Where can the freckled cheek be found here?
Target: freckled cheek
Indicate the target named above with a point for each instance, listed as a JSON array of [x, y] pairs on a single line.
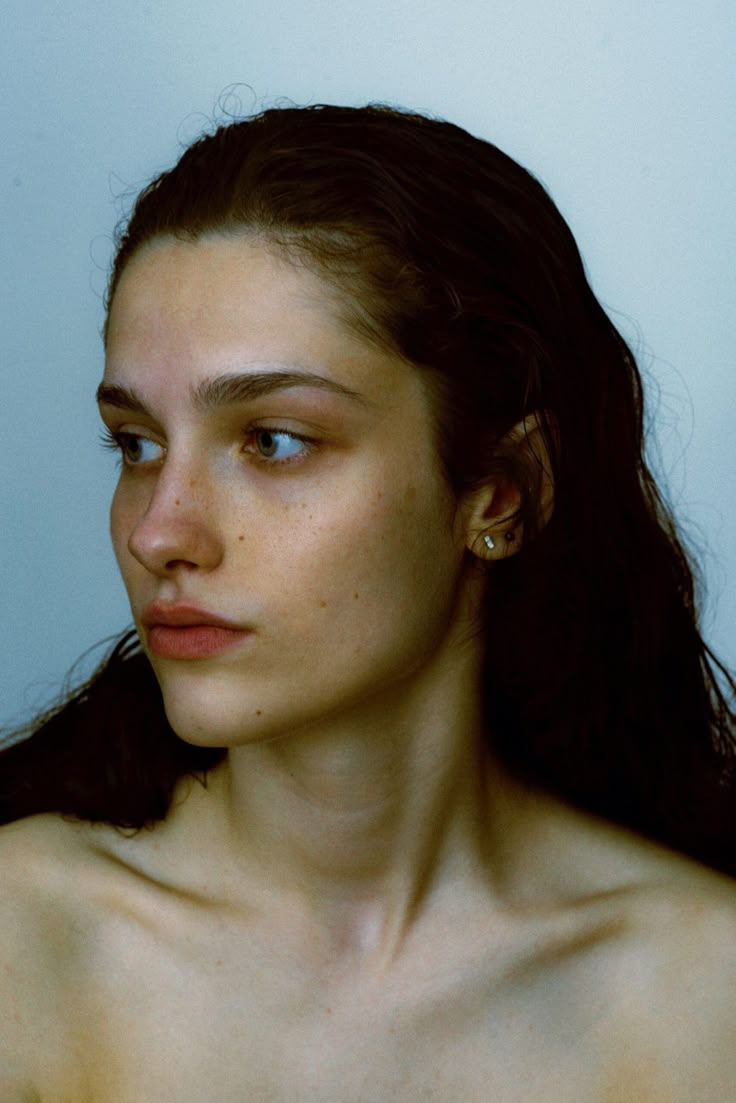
[[364, 549]]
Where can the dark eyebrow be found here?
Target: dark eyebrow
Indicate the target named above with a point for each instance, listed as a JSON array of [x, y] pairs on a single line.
[[225, 390], [123, 398]]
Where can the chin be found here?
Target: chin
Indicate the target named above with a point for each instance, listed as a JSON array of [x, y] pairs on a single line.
[[215, 710], [199, 723]]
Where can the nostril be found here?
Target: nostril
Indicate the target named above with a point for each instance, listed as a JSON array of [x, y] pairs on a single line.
[[167, 540], [180, 564]]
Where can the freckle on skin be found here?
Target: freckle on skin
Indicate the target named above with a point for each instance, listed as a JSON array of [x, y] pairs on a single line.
[[178, 502], [356, 597], [258, 712], [323, 604], [193, 482], [241, 537]]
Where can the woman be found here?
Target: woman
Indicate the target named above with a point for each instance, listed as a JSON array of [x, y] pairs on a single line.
[[425, 641]]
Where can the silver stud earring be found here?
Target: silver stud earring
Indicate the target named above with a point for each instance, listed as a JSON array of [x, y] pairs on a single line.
[[489, 542]]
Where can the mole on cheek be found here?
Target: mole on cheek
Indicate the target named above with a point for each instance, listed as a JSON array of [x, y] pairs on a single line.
[[323, 604], [356, 597], [241, 537], [178, 502], [258, 712]]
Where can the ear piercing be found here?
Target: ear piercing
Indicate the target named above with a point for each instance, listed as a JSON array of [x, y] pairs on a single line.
[[490, 542]]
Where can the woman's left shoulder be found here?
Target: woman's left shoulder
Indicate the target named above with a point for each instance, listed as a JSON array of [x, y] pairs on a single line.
[[686, 908], [667, 989], [676, 982]]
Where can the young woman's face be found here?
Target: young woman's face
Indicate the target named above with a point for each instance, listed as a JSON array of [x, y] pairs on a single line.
[[289, 546]]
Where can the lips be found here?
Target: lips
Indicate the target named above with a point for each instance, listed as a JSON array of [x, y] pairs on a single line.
[[186, 632]]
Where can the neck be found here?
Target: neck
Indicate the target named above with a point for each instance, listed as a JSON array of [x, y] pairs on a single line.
[[360, 825]]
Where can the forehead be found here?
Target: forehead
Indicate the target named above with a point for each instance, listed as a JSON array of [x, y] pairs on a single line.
[[223, 302]]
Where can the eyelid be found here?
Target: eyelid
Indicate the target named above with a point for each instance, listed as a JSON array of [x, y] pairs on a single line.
[[115, 440], [310, 444]]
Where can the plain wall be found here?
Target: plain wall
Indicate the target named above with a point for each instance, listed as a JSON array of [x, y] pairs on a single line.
[[624, 109]]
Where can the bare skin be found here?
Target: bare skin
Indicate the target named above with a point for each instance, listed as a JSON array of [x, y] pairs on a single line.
[[360, 906], [591, 967]]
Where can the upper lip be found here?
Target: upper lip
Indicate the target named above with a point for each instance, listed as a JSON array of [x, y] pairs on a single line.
[[182, 615]]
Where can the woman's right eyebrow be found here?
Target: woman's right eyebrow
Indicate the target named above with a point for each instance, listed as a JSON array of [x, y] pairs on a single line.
[[228, 389], [122, 398]]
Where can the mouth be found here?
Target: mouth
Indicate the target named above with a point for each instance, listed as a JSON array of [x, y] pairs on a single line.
[[187, 632]]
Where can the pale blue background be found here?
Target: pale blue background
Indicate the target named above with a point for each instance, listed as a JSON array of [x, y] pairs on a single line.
[[625, 108]]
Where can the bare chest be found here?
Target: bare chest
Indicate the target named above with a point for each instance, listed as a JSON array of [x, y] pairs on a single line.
[[231, 1019]]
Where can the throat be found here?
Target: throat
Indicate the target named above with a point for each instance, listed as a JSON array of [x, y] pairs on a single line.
[[358, 850]]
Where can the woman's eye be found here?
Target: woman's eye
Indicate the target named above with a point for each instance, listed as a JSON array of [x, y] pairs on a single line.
[[278, 444], [135, 450], [138, 450]]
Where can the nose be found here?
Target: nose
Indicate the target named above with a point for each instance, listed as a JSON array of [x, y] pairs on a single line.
[[177, 531]]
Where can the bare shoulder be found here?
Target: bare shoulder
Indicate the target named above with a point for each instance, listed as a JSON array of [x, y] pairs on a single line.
[[687, 971], [674, 971], [39, 856], [44, 862], [51, 869], [653, 954]]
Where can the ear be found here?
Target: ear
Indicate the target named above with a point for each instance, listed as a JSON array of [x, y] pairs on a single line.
[[490, 511]]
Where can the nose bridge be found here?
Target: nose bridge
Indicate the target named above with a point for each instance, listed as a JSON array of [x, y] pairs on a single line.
[[178, 526], [180, 485]]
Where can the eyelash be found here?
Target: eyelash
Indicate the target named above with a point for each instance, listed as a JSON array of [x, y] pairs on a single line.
[[116, 442]]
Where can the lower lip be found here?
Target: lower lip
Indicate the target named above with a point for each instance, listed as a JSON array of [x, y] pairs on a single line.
[[194, 641]]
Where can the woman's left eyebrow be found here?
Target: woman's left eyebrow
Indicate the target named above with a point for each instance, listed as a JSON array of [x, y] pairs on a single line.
[[226, 390]]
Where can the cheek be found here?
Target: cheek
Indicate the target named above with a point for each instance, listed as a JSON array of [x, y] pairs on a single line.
[[386, 554]]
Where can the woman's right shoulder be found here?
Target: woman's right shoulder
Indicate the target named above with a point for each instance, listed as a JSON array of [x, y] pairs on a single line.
[[42, 862], [38, 854], [47, 864], [61, 879], [50, 868]]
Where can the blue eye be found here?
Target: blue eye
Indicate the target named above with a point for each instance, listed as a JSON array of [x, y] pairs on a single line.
[[135, 450], [278, 445]]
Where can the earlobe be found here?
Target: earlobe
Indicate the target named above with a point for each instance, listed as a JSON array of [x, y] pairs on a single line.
[[494, 528], [491, 519], [509, 537]]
